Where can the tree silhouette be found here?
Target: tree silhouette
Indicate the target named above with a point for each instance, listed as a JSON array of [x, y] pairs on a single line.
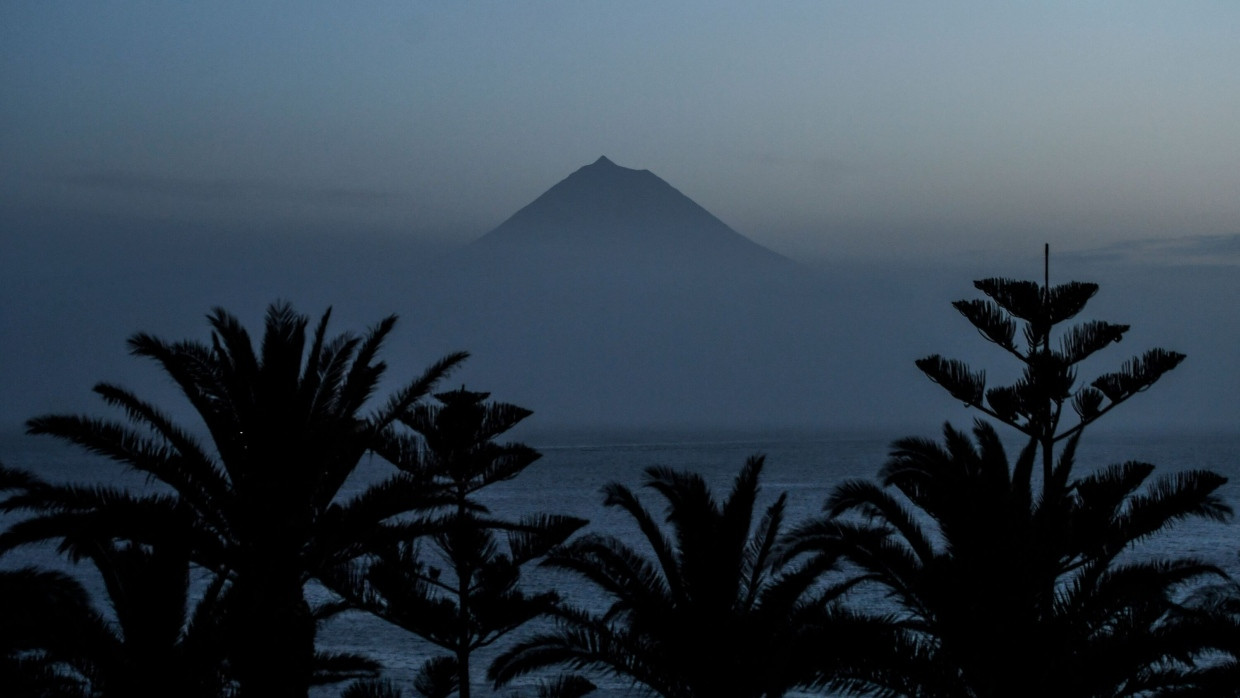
[[463, 593], [154, 645], [707, 615], [157, 644], [566, 686], [1006, 586], [47, 626], [1020, 594], [261, 508], [1220, 677], [1034, 404]]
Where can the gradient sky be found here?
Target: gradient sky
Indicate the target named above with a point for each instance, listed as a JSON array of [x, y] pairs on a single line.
[[158, 158], [821, 129]]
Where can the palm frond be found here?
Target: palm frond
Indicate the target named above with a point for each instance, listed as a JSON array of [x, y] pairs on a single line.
[[283, 343], [616, 569], [616, 495], [195, 368], [536, 535], [566, 686], [759, 552], [438, 677], [875, 504], [404, 398], [582, 641], [326, 384], [1170, 499], [737, 510], [334, 667], [105, 438]]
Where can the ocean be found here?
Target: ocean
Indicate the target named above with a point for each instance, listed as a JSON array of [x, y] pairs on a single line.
[[576, 464]]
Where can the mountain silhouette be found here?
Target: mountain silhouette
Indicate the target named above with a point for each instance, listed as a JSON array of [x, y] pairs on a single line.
[[603, 208], [613, 298]]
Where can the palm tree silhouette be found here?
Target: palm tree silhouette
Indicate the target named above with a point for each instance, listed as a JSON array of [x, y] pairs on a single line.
[[153, 646], [1219, 606], [156, 643], [260, 509], [707, 615], [47, 630], [1003, 591]]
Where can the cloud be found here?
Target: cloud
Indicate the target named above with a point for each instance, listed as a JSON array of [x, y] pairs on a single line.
[[224, 189], [820, 165], [1196, 250]]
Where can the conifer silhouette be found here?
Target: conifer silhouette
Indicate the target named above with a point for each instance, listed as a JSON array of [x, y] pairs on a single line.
[[1021, 318], [459, 588], [1011, 585]]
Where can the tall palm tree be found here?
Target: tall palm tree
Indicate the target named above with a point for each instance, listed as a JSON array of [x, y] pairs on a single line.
[[1005, 591], [260, 508], [707, 615], [152, 646], [157, 642]]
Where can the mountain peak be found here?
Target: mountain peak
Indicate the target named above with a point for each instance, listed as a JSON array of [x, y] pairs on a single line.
[[622, 211], [605, 167]]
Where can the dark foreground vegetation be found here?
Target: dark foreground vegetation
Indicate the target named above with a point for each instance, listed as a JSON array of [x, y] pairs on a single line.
[[1003, 576]]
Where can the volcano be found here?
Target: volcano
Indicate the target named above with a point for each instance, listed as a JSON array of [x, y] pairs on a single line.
[[603, 208], [614, 299]]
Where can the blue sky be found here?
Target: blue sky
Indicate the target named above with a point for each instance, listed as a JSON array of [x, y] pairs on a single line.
[[822, 129]]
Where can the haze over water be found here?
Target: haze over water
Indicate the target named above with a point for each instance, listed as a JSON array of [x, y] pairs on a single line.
[[164, 160]]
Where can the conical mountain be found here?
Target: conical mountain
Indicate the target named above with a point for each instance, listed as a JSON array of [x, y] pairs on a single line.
[[618, 212], [613, 298]]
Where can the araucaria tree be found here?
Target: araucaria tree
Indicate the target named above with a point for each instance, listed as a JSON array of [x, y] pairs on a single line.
[[1010, 584], [1034, 404], [260, 507], [459, 587]]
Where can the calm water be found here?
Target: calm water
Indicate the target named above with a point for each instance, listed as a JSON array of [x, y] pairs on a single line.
[[576, 465]]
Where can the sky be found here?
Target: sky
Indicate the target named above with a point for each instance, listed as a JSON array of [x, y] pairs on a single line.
[[161, 158], [820, 129]]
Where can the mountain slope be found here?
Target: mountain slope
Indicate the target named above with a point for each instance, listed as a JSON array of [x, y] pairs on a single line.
[[605, 209], [612, 298]]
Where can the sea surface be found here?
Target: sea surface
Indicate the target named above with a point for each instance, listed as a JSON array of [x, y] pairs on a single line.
[[576, 464]]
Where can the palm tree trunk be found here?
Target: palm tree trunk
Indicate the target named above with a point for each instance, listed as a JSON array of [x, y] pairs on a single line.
[[271, 638]]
